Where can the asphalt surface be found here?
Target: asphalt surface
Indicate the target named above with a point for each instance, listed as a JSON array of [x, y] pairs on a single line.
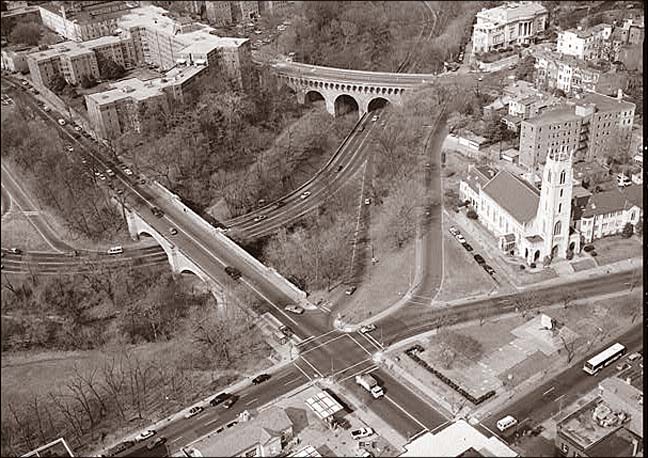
[[564, 389]]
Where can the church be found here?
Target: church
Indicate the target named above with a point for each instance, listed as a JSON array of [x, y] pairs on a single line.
[[528, 222]]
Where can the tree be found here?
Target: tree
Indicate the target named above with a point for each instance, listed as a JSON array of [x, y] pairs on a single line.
[[57, 83], [525, 69], [109, 69], [628, 230], [472, 214], [87, 81], [28, 33], [570, 348]]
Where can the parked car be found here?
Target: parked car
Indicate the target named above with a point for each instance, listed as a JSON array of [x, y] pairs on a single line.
[[233, 272], [350, 290], [296, 309], [16, 250], [219, 399], [156, 442], [128, 171], [260, 379], [506, 423], [374, 118], [193, 411], [173, 231], [286, 331], [622, 366], [157, 212], [145, 435], [367, 201], [110, 173], [61, 122], [368, 328], [467, 246], [489, 270], [361, 433], [479, 259], [454, 231], [634, 356], [460, 238], [259, 218], [305, 194]]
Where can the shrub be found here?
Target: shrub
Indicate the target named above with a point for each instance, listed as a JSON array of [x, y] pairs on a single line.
[[522, 267], [532, 265], [570, 255], [546, 261], [472, 214], [628, 230]]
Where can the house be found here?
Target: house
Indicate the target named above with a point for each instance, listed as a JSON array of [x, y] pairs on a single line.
[[263, 435], [607, 212], [471, 140]]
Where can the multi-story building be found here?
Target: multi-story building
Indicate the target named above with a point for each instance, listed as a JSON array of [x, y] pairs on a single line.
[[507, 25], [243, 10], [610, 425], [15, 59], [272, 6], [631, 32], [528, 107], [585, 128], [81, 21], [9, 18], [73, 60], [218, 12], [583, 44]]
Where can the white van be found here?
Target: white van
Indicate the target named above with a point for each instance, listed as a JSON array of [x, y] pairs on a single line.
[[115, 250], [507, 422], [623, 180]]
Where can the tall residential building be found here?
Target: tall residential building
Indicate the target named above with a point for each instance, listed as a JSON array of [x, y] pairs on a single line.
[[272, 6], [584, 44], [243, 10], [507, 25], [218, 12], [81, 21], [585, 128]]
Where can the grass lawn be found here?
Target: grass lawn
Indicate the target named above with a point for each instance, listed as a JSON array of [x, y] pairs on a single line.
[[17, 231], [616, 248]]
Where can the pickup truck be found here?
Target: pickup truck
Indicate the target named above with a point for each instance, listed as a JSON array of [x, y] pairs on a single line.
[[370, 384]]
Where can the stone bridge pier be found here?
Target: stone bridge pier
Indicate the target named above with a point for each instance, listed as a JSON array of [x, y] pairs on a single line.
[[341, 97], [180, 263]]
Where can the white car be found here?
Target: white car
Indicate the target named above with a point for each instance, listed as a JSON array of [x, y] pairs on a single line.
[[361, 433], [296, 309], [506, 423], [460, 238], [375, 118], [368, 328], [305, 194], [70, 148], [453, 230], [367, 201], [634, 357], [193, 411], [61, 122], [77, 128], [128, 171], [145, 435], [46, 108]]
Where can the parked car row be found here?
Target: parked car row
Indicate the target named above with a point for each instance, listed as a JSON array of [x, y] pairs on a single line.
[[479, 259]]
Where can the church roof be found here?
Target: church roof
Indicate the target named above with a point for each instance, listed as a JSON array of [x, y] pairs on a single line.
[[514, 195], [614, 200]]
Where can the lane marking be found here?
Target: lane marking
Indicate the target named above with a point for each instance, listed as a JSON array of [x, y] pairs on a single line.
[[372, 340], [317, 337], [251, 401], [212, 421], [371, 369], [313, 367], [351, 367], [302, 371], [358, 344], [420, 433], [549, 391], [323, 344], [176, 439], [406, 412], [559, 398]]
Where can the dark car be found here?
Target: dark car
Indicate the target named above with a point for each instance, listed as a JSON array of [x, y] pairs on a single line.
[[229, 402], [233, 272], [219, 399], [467, 246], [260, 379], [479, 259], [489, 270], [286, 331], [280, 203], [156, 442], [157, 212]]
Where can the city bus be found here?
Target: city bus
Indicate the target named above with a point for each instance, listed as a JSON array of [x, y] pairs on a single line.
[[598, 362]]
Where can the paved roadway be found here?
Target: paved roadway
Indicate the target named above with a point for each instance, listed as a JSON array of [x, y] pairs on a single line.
[[564, 389]]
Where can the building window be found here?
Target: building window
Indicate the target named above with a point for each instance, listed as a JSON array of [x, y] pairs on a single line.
[[562, 177], [557, 228], [559, 207]]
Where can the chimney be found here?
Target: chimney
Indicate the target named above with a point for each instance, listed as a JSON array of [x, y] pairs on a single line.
[[620, 94], [635, 447]]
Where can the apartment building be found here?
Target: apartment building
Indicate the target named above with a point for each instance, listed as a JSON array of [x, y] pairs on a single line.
[[244, 10], [272, 6], [14, 59], [584, 44], [123, 108], [81, 21], [509, 24], [586, 128], [218, 12], [73, 60]]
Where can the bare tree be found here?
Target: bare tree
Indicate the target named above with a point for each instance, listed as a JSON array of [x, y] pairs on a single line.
[[570, 348]]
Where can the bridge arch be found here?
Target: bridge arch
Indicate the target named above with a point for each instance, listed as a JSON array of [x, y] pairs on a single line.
[[376, 103], [345, 103], [313, 96]]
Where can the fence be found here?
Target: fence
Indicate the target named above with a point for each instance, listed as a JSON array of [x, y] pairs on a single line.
[[499, 64]]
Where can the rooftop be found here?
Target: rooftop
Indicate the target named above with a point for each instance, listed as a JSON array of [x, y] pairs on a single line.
[[87, 16], [614, 200], [590, 424], [457, 439], [511, 11], [514, 195], [557, 115], [619, 443], [19, 11], [607, 103], [73, 48]]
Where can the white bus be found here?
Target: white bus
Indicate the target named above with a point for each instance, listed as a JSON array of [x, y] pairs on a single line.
[[598, 362]]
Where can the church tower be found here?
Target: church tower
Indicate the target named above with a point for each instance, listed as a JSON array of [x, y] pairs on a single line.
[[554, 208]]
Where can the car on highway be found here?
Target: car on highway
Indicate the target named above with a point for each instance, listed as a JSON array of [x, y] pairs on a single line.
[[219, 399], [16, 250], [350, 290], [233, 272], [157, 212], [145, 435], [286, 331], [280, 203], [46, 108], [340, 168], [156, 442], [454, 231], [128, 171], [173, 231], [191, 452], [489, 270], [193, 411], [110, 173], [260, 379], [479, 259], [305, 194], [361, 433], [467, 246], [296, 309], [230, 401], [374, 118], [368, 328], [460, 238], [70, 148], [77, 128], [72, 254], [259, 218], [61, 122], [101, 176]]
